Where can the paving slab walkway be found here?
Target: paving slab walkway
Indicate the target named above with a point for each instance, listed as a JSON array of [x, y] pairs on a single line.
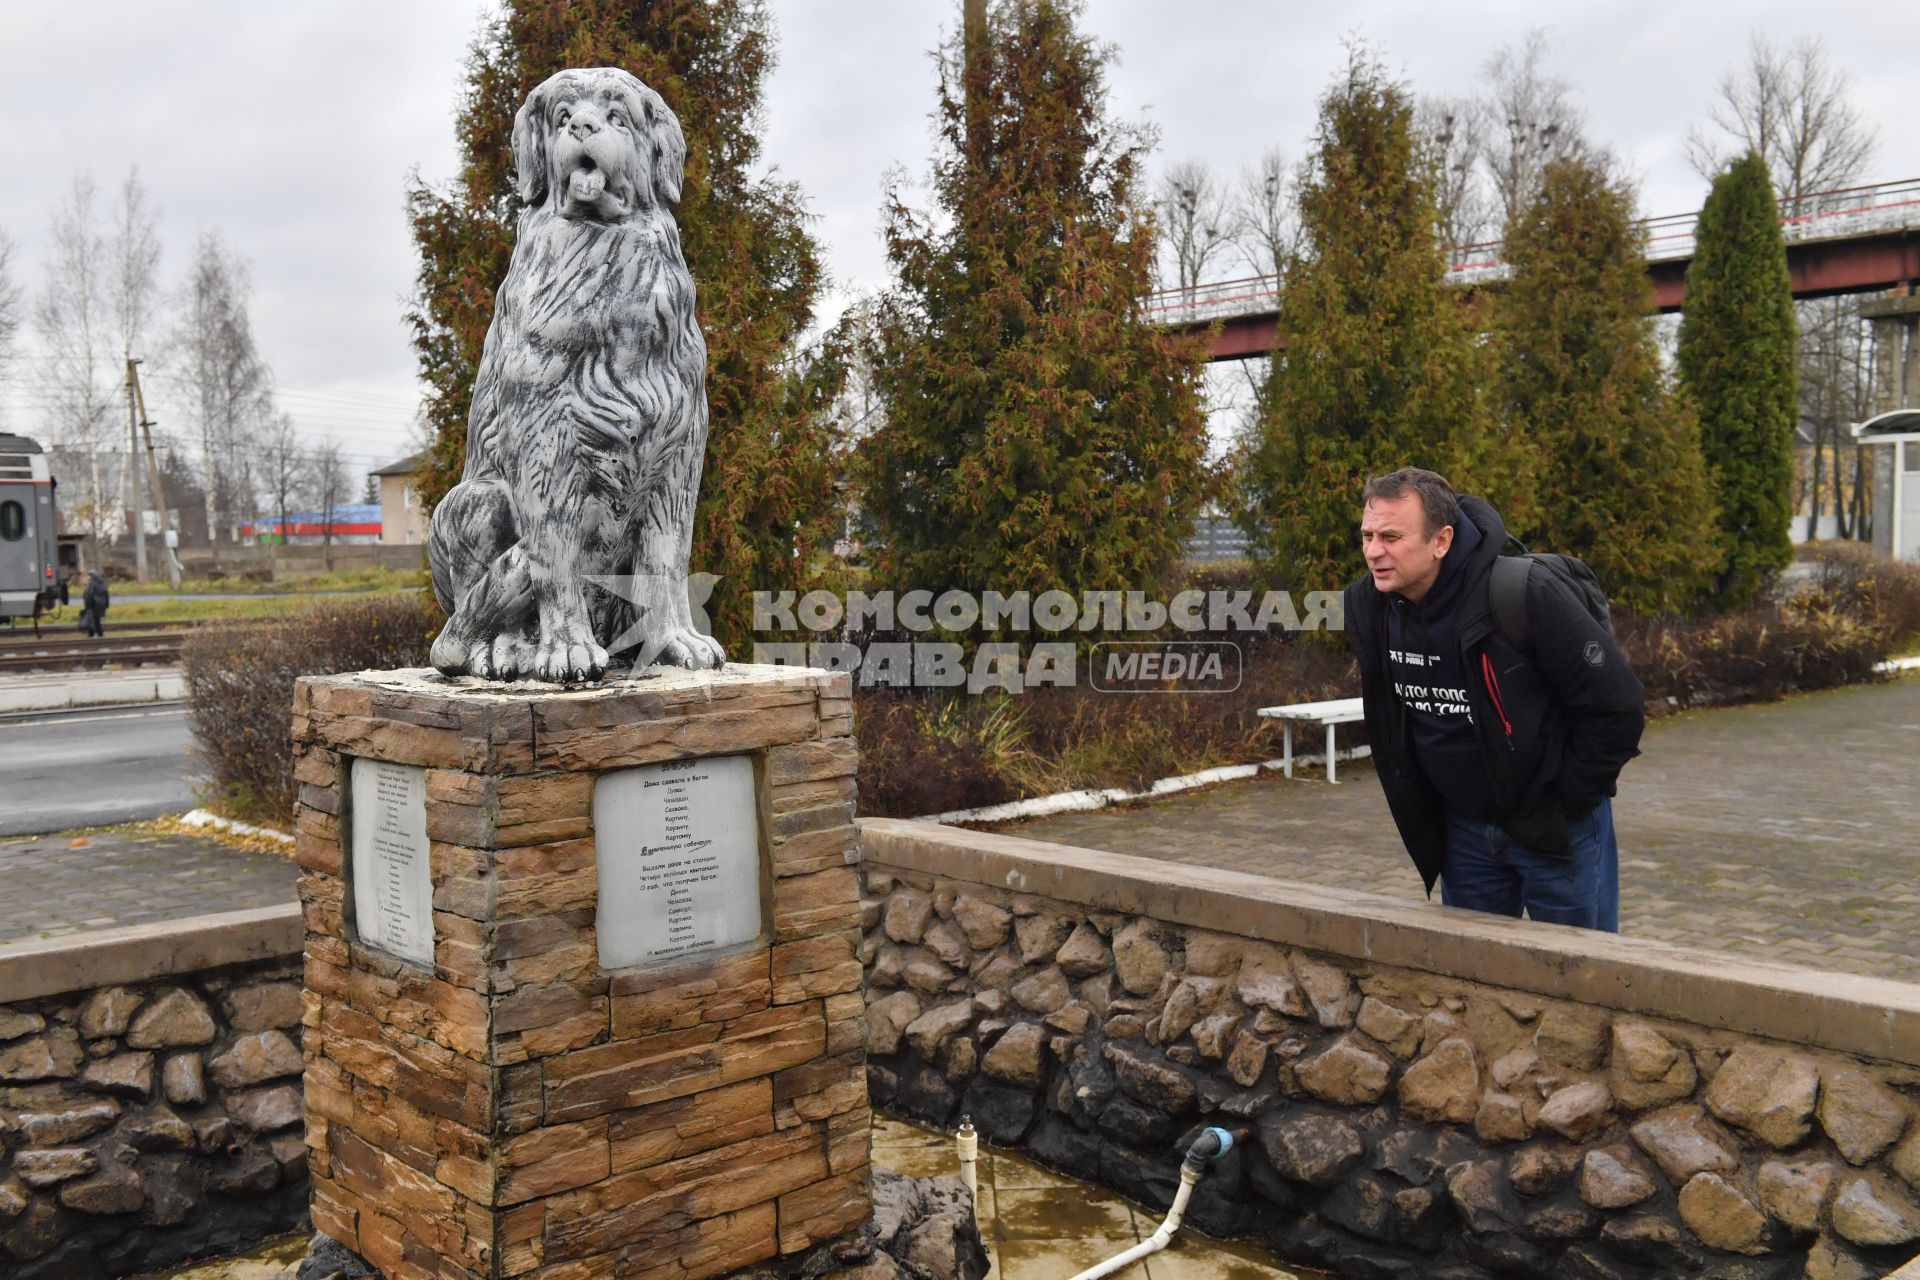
[[1789, 831], [51, 887]]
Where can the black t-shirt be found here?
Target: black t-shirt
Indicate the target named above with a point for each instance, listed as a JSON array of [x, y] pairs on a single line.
[[1424, 664]]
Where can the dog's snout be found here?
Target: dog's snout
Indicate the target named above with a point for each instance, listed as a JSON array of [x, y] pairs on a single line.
[[585, 122]]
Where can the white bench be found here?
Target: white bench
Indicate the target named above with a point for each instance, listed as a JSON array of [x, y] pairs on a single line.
[[1329, 713]]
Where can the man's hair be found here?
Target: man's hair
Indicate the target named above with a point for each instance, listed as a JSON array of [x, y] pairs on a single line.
[[1436, 495]]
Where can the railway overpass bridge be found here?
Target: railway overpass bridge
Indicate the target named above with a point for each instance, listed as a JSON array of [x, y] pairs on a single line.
[[1853, 240]]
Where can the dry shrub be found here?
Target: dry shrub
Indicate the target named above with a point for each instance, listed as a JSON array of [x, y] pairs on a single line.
[[1872, 587], [934, 751], [1809, 641], [239, 681]]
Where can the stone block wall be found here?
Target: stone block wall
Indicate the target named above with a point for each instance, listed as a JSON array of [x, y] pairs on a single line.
[[516, 1110], [152, 1113], [1421, 1092]]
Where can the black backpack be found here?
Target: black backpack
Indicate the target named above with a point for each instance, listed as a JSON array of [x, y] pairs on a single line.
[[1508, 592]]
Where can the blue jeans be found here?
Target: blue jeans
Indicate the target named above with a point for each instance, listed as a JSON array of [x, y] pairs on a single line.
[[1487, 870]]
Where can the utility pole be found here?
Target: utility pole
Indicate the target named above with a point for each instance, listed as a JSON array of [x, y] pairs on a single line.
[[133, 487], [153, 474]]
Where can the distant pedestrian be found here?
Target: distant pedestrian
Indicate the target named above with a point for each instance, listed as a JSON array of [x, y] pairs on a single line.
[[93, 606], [1498, 758]]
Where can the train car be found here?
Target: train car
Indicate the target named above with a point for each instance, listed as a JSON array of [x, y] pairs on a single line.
[[30, 583]]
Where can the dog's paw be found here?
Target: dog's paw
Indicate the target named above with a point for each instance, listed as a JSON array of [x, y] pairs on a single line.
[[685, 647], [450, 654], [569, 661], [509, 657]]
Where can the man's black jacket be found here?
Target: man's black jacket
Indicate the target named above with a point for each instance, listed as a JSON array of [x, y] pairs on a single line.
[[1557, 724]]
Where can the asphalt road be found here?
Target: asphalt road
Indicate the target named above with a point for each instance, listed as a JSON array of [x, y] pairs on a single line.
[[63, 769]]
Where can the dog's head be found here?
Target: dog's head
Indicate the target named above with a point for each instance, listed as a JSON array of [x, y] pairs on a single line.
[[599, 144]]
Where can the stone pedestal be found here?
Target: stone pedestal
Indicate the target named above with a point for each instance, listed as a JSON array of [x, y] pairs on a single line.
[[504, 1103]]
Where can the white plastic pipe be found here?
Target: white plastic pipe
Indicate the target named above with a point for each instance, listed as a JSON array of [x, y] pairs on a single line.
[[1190, 1170], [968, 1144], [1154, 1243]]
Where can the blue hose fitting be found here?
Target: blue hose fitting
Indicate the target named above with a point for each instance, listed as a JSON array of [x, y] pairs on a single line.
[[1210, 1145]]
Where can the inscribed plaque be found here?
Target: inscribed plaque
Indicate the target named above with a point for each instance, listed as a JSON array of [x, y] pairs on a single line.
[[392, 875], [678, 848]]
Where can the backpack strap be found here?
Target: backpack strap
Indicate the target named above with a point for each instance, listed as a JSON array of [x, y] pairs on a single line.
[[1507, 593]]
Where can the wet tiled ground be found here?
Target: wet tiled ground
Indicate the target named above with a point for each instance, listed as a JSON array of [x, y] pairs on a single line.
[[1785, 831], [263, 1263], [1042, 1226], [53, 886]]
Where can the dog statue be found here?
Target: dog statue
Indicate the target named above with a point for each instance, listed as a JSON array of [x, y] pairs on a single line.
[[567, 538]]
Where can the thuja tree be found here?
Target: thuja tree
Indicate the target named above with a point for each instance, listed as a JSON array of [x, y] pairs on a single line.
[[1620, 478], [1039, 434], [1737, 362], [767, 503], [1381, 367]]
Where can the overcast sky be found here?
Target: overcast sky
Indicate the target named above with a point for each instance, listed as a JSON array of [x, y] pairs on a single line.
[[290, 129]]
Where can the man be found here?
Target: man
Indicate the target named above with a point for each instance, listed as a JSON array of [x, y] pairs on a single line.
[[93, 612], [1497, 761]]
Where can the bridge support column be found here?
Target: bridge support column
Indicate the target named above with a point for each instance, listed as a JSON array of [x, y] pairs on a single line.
[[1896, 350]]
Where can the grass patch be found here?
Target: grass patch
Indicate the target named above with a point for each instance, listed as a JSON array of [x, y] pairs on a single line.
[[240, 609], [253, 582]]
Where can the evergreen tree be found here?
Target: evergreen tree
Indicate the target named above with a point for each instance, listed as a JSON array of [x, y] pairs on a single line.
[[1621, 481], [1382, 368], [1737, 362], [767, 503], [1040, 434]]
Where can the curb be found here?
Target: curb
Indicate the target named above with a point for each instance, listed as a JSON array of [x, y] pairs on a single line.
[[130, 688], [1083, 801], [201, 818]]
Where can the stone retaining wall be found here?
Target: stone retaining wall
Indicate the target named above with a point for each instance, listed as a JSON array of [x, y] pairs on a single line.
[[1422, 1092], [150, 1105]]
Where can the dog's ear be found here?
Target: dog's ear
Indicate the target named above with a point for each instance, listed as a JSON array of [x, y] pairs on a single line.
[[669, 149], [530, 147]]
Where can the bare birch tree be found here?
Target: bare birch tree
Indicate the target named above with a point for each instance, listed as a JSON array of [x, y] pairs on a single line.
[[1266, 234], [330, 488], [11, 305], [1790, 105], [1835, 359], [1195, 224], [75, 327], [133, 288], [285, 467], [1532, 121], [1266, 228], [133, 293], [1453, 134], [229, 383]]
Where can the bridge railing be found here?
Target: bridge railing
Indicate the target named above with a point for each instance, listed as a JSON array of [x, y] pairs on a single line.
[[1825, 215], [1247, 295]]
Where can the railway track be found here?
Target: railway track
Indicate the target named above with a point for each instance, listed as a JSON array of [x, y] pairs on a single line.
[[148, 644]]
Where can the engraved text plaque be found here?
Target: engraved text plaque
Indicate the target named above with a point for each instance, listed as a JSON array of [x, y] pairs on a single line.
[[392, 877], [678, 848]]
